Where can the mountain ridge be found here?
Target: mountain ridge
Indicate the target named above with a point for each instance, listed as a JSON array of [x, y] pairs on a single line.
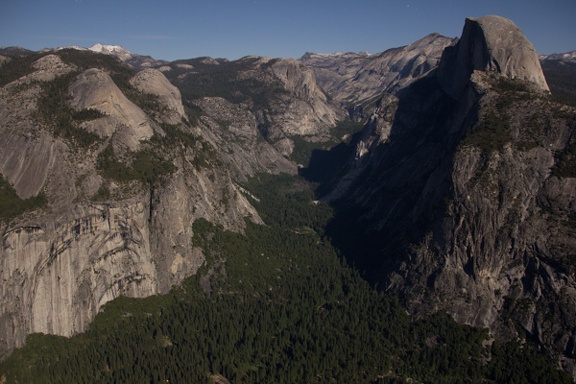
[[453, 178], [128, 163], [454, 184]]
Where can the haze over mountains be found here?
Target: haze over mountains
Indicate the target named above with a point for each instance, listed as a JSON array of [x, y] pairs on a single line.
[[453, 177]]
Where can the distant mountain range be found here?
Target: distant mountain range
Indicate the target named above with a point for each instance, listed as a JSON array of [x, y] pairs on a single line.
[[559, 56], [139, 61], [136, 61]]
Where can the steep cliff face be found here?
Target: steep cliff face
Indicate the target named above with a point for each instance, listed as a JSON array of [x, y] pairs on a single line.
[[28, 154], [307, 114], [94, 89], [125, 168], [153, 82], [502, 253], [124, 173], [233, 129], [357, 80], [491, 43], [58, 271], [461, 186], [281, 94], [464, 194]]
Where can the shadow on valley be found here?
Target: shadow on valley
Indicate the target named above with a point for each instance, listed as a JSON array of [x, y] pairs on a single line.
[[397, 196], [324, 166]]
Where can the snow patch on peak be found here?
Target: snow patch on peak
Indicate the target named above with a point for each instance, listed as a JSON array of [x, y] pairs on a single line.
[[115, 50], [333, 55], [559, 56], [107, 48]]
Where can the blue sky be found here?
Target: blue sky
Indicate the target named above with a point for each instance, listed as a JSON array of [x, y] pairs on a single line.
[[174, 29]]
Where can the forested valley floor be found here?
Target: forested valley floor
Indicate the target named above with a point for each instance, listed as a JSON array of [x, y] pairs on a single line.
[[277, 304]]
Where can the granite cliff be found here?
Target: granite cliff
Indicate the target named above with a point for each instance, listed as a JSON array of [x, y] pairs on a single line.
[[463, 187], [461, 184], [120, 165], [491, 43], [281, 94], [357, 80]]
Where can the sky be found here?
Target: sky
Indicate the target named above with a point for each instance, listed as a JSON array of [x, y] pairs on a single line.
[[182, 29]]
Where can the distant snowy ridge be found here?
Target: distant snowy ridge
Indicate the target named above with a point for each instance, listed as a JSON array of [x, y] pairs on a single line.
[[115, 50], [559, 56], [312, 55], [134, 60]]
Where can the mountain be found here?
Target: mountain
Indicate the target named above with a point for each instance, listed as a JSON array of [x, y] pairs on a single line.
[[104, 170], [281, 95], [114, 50], [571, 56], [14, 51], [357, 80], [457, 196], [560, 72], [462, 190], [134, 60]]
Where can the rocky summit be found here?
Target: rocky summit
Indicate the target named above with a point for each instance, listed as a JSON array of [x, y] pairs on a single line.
[[462, 186], [123, 168], [460, 183], [491, 43], [357, 80]]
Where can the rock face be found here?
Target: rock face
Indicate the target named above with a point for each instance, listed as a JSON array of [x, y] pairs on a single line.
[[282, 95], [105, 232], [461, 186], [233, 130], [152, 81], [463, 195], [491, 43], [357, 80], [101, 236], [57, 274], [94, 89], [28, 155], [309, 113]]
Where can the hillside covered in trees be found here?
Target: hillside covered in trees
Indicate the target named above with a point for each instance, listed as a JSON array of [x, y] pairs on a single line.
[[276, 304]]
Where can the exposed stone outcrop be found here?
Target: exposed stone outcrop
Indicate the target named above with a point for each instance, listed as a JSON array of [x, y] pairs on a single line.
[[28, 154], [491, 43], [285, 101], [95, 89], [357, 80], [152, 81], [303, 110], [234, 131], [456, 187], [26, 162], [486, 233], [309, 113], [57, 271], [58, 266], [48, 68]]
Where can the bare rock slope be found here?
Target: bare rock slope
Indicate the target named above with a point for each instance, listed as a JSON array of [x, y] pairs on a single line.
[[491, 43], [153, 82], [463, 188], [124, 171], [281, 94], [359, 79], [94, 89]]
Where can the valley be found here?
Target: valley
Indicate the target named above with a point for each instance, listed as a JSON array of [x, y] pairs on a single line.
[[404, 216]]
